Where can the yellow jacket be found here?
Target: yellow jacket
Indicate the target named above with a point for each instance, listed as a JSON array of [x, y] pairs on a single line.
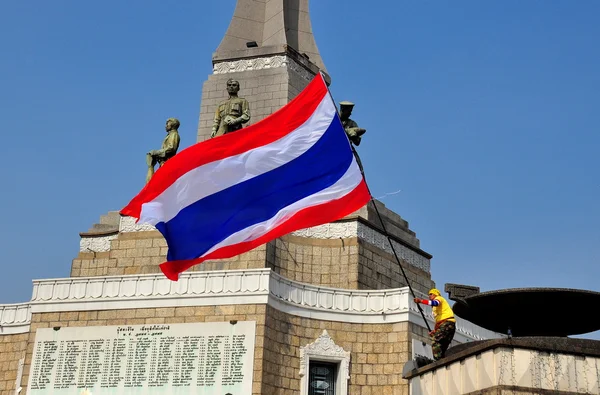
[[443, 311]]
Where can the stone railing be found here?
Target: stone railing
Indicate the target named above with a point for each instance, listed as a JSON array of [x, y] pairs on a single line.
[[254, 286], [369, 306], [15, 318], [339, 300], [151, 290]]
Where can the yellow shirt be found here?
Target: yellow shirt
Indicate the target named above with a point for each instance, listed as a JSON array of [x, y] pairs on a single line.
[[443, 311]]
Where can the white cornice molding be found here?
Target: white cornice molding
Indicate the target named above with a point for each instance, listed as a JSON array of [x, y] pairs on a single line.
[[96, 243], [151, 291], [336, 300], [262, 63], [332, 230], [128, 224], [233, 287], [15, 318], [359, 306]]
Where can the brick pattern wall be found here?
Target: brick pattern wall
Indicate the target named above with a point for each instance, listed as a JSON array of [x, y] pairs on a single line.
[[378, 269], [296, 85], [331, 263], [171, 315], [378, 353], [339, 263], [143, 252], [12, 349], [266, 91]]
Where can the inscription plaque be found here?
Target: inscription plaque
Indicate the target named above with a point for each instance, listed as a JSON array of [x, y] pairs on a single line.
[[213, 358]]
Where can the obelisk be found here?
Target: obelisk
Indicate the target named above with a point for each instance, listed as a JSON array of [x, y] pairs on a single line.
[[270, 49]]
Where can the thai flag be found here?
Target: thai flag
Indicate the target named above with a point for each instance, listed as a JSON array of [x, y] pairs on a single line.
[[225, 196]]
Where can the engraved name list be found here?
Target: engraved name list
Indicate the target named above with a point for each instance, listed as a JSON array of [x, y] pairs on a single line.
[[199, 358]]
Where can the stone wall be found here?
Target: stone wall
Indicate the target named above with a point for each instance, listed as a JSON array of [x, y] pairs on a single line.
[[326, 262], [378, 269], [378, 353], [170, 315], [346, 262], [130, 253], [143, 252], [12, 349]]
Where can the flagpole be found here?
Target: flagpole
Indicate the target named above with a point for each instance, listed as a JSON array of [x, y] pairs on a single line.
[[389, 238]]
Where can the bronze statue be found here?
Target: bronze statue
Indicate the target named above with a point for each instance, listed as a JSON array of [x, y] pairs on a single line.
[[352, 130], [168, 149], [231, 113]]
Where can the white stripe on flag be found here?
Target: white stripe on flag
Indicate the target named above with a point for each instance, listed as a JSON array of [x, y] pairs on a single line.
[[346, 184]]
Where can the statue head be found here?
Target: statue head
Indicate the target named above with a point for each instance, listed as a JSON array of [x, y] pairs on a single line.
[[172, 124], [233, 86], [346, 109]]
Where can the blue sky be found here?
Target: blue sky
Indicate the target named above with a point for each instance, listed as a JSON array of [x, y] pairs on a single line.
[[484, 114]]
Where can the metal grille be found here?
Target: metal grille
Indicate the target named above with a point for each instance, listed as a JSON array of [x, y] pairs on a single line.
[[321, 379]]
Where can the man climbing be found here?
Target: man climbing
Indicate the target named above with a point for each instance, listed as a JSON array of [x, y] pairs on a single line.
[[445, 323]]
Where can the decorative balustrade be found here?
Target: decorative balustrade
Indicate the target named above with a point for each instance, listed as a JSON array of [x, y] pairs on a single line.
[[339, 300], [151, 290], [255, 286], [15, 318]]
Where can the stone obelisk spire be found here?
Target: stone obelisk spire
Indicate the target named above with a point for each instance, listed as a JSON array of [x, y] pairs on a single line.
[[270, 49]]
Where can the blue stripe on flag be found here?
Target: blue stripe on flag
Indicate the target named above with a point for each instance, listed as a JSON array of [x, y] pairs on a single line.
[[201, 225]]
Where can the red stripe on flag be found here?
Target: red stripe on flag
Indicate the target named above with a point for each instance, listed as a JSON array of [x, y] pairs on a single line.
[[270, 129], [311, 216]]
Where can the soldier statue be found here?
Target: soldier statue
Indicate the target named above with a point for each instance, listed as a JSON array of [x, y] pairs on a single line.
[[231, 113], [168, 149], [352, 130]]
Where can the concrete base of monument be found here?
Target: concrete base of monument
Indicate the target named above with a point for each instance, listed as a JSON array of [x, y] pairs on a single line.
[[270, 330]]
